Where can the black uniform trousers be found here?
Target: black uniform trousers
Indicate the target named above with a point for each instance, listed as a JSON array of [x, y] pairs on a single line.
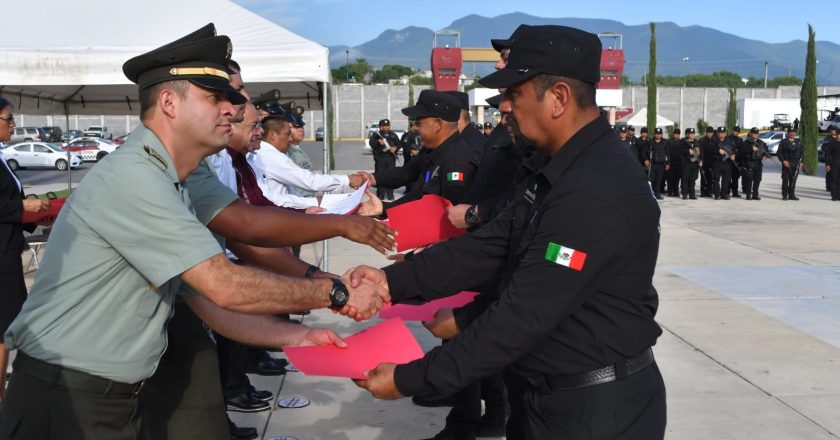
[[835, 181], [657, 172], [721, 179], [751, 174], [38, 407], [233, 361], [828, 178], [183, 399], [736, 173], [789, 176], [382, 164], [689, 178], [706, 178], [632, 408], [675, 174], [465, 415]]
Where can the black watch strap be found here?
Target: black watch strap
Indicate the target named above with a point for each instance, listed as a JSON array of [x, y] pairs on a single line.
[[338, 294], [310, 271]]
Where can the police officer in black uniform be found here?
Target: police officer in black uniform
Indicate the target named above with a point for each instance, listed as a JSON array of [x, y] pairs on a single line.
[[689, 151], [737, 144], [443, 168], [384, 144], [832, 134], [674, 172], [643, 149], [471, 134], [488, 129], [751, 154], [790, 153], [832, 161], [575, 317], [659, 162], [707, 151], [724, 155]]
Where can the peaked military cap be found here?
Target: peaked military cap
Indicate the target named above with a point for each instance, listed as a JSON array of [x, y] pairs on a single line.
[[437, 104], [266, 99], [200, 57], [554, 50], [462, 98]]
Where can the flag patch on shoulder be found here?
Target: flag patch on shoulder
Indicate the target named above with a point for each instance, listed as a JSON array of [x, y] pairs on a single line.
[[571, 258], [455, 177]]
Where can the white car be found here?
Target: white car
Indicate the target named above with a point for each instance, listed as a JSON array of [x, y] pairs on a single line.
[[91, 149], [39, 154], [98, 131], [771, 140]]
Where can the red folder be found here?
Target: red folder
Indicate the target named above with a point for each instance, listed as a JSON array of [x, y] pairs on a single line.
[[426, 312], [390, 341], [422, 222], [52, 211]]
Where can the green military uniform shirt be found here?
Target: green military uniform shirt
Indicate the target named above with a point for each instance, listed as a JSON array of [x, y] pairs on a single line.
[[104, 292]]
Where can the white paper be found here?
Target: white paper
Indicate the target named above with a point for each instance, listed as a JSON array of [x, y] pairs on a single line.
[[343, 203]]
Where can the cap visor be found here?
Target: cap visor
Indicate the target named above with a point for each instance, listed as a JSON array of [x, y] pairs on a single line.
[[502, 79], [221, 85], [415, 112], [500, 44], [495, 101]]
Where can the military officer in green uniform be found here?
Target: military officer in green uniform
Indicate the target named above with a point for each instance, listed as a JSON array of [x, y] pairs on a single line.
[[94, 326]]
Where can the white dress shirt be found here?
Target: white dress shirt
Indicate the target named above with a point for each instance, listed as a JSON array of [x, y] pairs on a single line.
[[283, 176]]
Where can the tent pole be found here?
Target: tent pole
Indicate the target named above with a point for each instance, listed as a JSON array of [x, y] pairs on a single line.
[[69, 161], [325, 260]]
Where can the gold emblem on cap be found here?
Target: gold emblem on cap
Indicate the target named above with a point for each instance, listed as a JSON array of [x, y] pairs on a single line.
[[211, 71]]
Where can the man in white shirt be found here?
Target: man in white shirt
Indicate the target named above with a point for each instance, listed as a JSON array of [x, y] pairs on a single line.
[[283, 177]]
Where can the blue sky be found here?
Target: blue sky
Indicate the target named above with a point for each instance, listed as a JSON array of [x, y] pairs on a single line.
[[353, 22]]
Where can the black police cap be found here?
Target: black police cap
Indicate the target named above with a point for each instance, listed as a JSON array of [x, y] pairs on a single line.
[[462, 98], [736, 129], [200, 57], [689, 131], [631, 128], [384, 122], [657, 130], [267, 99], [494, 101], [297, 121], [754, 130], [643, 130], [721, 129], [501, 44], [622, 129], [436, 104], [554, 50], [488, 125], [676, 131], [710, 129]]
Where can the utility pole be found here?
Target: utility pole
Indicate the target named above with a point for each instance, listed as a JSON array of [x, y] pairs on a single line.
[[765, 74], [347, 67], [685, 71]]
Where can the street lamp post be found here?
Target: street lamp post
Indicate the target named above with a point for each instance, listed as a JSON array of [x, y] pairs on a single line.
[[685, 71], [765, 73], [347, 66]]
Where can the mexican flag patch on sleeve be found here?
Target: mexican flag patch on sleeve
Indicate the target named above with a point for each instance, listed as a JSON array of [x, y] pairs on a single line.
[[455, 177], [571, 258]]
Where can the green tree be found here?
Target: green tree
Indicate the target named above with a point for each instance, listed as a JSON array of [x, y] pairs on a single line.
[[701, 127], [389, 72], [731, 110], [808, 128], [651, 81]]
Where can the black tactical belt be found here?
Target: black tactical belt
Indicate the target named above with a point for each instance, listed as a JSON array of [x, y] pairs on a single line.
[[620, 370], [58, 375]]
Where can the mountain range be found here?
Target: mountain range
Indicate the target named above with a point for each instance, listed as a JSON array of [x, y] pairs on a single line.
[[707, 49]]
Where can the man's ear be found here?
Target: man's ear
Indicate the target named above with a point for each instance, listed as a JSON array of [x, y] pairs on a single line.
[[168, 102]]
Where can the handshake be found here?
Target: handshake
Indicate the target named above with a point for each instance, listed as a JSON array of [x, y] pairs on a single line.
[[368, 292]]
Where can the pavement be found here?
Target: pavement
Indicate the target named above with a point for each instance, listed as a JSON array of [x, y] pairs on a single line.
[[750, 310]]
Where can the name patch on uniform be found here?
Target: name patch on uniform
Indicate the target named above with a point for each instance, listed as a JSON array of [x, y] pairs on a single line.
[[571, 258], [455, 177]]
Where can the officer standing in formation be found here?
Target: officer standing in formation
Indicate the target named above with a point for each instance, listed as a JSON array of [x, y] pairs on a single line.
[[751, 156], [384, 144], [643, 149], [657, 156], [624, 137], [469, 132], [689, 152], [488, 129], [832, 163], [790, 153], [707, 161], [723, 156], [575, 317], [674, 172], [737, 143], [832, 135]]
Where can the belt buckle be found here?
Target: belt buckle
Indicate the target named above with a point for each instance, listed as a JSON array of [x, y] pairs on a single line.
[[138, 387]]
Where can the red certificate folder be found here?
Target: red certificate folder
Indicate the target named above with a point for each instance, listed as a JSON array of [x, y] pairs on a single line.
[[426, 312], [390, 341], [52, 211], [422, 222]]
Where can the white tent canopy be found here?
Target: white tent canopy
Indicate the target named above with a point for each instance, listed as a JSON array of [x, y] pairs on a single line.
[[74, 55], [639, 118]]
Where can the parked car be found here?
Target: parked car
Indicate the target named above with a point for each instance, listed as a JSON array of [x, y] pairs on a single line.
[[52, 134], [374, 128], [91, 149], [39, 154], [825, 125], [772, 139], [120, 140], [70, 135], [319, 134], [98, 131], [23, 134], [781, 121]]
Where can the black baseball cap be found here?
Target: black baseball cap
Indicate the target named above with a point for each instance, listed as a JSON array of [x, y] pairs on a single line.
[[434, 103], [462, 98], [622, 129], [754, 130], [710, 129], [550, 49], [721, 129], [494, 101], [736, 129], [631, 128], [643, 130], [488, 125], [689, 131], [657, 130], [200, 57], [676, 131], [501, 44], [385, 121]]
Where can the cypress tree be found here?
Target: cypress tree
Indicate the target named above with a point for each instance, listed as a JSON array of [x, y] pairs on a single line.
[[731, 110], [808, 129], [651, 81]]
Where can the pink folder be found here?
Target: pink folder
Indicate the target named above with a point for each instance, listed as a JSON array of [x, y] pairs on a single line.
[[422, 222], [52, 211], [426, 312], [390, 341]]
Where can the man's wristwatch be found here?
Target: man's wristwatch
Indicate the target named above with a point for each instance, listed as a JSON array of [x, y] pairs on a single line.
[[471, 216], [338, 294]]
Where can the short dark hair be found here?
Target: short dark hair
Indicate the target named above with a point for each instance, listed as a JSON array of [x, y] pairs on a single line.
[[583, 92], [274, 124], [149, 95], [4, 103]]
